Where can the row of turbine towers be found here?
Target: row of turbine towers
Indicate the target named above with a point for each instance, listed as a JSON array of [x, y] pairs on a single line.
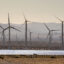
[[26, 21], [50, 31]]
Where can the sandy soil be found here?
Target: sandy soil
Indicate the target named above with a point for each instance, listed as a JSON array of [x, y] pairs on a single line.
[[32, 61]]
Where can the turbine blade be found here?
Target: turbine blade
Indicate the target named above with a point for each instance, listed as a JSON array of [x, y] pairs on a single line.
[[25, 18], [15, 28], [8, 20], [1, 27], [6, 28], [59, 19], [46, 27], [54, 30]]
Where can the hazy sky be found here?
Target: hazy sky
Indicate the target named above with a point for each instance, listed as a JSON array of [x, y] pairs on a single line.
[[34, 10]]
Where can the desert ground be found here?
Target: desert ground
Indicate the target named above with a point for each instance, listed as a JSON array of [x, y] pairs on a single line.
[[33, 60]]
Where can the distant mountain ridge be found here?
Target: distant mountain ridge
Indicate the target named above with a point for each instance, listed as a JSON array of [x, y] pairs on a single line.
[[33, 27]]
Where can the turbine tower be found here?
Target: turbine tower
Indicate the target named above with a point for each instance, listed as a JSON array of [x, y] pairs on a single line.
[[61, 29], [50, 33], [16, 38], [38, 36], [3, 35], [30, 36]]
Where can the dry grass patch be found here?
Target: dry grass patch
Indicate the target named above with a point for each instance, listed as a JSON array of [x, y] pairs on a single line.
[[32, 61]]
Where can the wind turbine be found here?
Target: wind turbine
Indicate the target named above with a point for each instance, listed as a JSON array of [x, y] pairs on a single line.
[[3, 33], [50, 33], [25, 30], [61, 28], [3, 30], [9, 27]]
